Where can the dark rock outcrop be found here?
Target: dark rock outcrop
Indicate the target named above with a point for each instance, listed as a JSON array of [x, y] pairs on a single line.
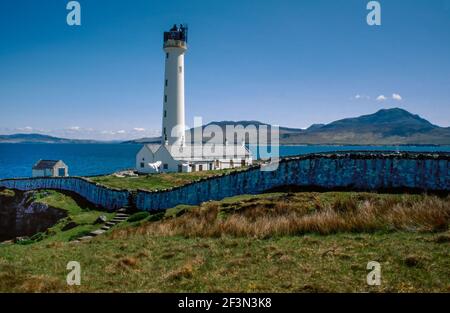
[[21, 216], [100, 220]]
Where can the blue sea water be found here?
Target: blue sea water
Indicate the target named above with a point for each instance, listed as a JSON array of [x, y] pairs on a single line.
[[16, 160]]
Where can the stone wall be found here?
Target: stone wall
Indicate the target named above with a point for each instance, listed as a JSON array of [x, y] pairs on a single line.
[[352, 171], [111, 199]]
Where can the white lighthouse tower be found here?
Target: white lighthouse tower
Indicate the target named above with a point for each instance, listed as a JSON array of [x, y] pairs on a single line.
[[173, 126], [173, 154]]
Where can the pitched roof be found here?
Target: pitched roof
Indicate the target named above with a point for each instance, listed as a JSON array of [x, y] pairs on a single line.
[[153, 147], [45, 164]]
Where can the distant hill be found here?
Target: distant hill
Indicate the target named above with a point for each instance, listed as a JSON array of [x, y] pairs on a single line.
[[144, 140], [222, 125], [385, 127], [38, 138]]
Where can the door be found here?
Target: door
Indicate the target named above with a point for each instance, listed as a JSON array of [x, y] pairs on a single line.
[[61, 172]]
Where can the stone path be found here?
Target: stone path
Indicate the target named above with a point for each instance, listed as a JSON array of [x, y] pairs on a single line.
[[121, 216]]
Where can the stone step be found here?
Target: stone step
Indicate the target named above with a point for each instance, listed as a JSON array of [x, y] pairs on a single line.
[[122, 215], [97, 232], [105, 227], [85, 238], [122, 210], [118, 219], [110, 224]]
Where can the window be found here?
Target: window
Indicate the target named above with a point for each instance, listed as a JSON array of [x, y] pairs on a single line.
[[165, 166], [180, 69], [165, 113], [142, 165], [166, 82], [165, 98], [164, 131], [167, 55]]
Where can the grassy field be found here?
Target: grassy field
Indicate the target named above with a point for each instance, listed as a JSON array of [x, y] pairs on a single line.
[[281, 242], [155, 181]]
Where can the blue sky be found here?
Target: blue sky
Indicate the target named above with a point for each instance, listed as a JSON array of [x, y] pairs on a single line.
[[291, 63]]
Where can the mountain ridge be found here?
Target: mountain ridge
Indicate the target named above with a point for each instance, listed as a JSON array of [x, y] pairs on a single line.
[[39, 138], [394, 126]]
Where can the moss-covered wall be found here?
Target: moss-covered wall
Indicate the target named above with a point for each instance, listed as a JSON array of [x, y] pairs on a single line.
[[353, 171], [109, 198]]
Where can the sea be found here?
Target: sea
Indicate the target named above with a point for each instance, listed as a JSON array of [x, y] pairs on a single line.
[[16, 160]]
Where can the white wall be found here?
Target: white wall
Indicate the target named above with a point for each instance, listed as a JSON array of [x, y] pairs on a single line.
[[144, 156], [164, 156], [38, 173]]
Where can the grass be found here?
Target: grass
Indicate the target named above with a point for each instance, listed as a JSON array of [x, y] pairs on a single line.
[[407, 234], [138, 216], [311, 263], [293, 214], [78, 211], [155, 181]]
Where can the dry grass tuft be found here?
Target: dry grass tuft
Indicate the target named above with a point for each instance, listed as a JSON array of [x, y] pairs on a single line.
[[412, 261], [186, 271], [302, 213], [128, 261], [442, 239], [41, 283]]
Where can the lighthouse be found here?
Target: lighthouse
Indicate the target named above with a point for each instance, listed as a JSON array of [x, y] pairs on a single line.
[[173, 154], [173, 125]]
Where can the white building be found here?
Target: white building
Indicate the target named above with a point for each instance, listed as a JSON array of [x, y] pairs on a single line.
[[50, 168], [173, 155], [154, 158]]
